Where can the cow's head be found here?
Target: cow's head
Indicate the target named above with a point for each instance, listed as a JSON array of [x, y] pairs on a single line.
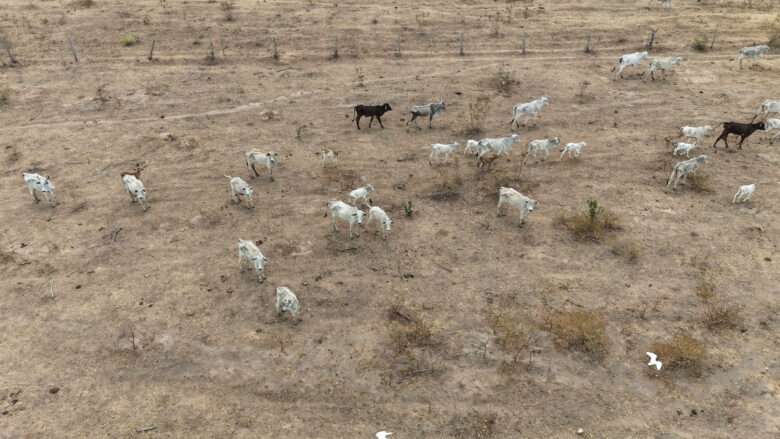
[[358, 216], [386, 107], [555, 141], [531, 205]]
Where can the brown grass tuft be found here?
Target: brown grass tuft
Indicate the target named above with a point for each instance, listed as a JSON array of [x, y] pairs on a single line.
[[700, 182], [682, 353], [591, 224], [5, 96], [720, 316], [626, 249], [583, 331], [82, 4], [474, 123], [705, 289], [474, 425], [510, 334]]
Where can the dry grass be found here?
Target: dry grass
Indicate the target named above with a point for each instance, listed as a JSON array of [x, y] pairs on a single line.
[[129, 40], [474, 123], [700, 183], [503, 81], [721, 316], [705, 289], [591, 224], [583, 331], [409, 330], [82, 4], [700, 44], [774, 34], [682, 353], [511, 335], [474, 425], [629, 250], [5, 97]]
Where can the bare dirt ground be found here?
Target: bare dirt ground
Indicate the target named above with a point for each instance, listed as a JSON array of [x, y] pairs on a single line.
[[152, 325]]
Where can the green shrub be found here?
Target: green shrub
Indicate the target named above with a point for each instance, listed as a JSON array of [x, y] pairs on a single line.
[[129, 40]]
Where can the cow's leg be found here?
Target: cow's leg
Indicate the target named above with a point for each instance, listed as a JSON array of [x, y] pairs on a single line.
[[430, 120], [371, 121], [35, 196], [233, 196], [357, 120], [742, 139], [379, 118], [500, 205], [333, 222], [722, 136], [254, 170]]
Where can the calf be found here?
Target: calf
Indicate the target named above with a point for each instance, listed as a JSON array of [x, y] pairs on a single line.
[[743, 130], [752, 52], [249, 253], [360, 195], [573, 149], [744, 193], [631, 59], [287, 302], [486, 158], [136, 189], [681, 170], [442, 151], [429, 110], [543, 145], [501, 145], [240, 190], [662, 65], [376, 214], [372, 111], [340, 211], [683, 148], [528, 111], [267, 159], [508, 197], [38, 184], [697, 133], [766, 108]]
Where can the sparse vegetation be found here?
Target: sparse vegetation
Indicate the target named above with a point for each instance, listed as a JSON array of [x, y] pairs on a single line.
[[128, 40], [582, 95], [583, 331], [504, 82], [774, 34], [721, 315], [227, 7], [82, 4], [474, 425], [477, 111], [414, 332], [700, 44], [5, 97], [705, 289], [408, 209], [591, 224], [700, 182], [629, 250], [682, 353], [511, 336]]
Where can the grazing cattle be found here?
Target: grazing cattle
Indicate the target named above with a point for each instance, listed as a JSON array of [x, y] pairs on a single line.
[[136, 189], [508, 197], [501, 145], [430, 110], [528, 111], [340, 211], [267, 159], [372, 111], [36, 184], [683, 148], [663, 65], [249, 253], [360, 195], [681, 170], [745, 193], [473, 148], [766, 108], [697, 133], [573, 149], [486, 158], [630, 59], [773, 124], [442, 152], [287, 302], [752, 52], [376, 214], [240, 190], [328, 158], [543, 145], [743, 130]]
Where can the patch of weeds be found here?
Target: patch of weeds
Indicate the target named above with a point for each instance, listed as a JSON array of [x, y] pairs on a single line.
[[412, 332], [700, 182], [5, 97], [511, 336], [629, 250], [705, 289], [82, 4], [583, 331], [774, 37], [503, 82], [475, 425], [720, 316], [591, 224], [128, 40], [476, 114], [408, 209], [700, 44], [682, 353]]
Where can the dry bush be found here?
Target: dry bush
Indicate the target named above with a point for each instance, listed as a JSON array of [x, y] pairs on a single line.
[[583, 97], [591, 224], [720, 316], [682, 353], [5, 97], [129, 40], [510, 334], [474, 425], [410, 331], [626, 249], [705, 289], [474, 123], [774, 34], [503, 81], [227, 7], [700, 182], [82, 3], [700, 44], [583, 331]]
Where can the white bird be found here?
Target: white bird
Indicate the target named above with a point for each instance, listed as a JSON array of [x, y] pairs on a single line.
[[383, 435], [654, 361]]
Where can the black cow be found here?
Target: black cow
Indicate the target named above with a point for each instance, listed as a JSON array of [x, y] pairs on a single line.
[[743, 130], [372, 111]]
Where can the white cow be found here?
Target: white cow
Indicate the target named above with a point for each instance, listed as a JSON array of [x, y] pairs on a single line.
[[663, 65], [698, 133], [773, 124], [683, 148], [240, 190], [136, 189], [249, 253], [36, 184], [473, 148], [340, 211], [528, 110], [328, 158], [442, 151], [766, 108], [376, 214], [682, 169], [752, 52], [543, 145], [744, 193], [511, 198], [573, 149], [287, 301], [500, 145], [359, 196], [267, 159], [630, 59]]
